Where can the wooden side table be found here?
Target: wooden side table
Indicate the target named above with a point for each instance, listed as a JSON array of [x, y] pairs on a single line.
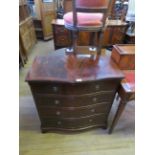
[[126, 92], [124, 56]]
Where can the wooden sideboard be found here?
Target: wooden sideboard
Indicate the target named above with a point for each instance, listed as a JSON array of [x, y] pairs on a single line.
[[73, 92], [114, 34]]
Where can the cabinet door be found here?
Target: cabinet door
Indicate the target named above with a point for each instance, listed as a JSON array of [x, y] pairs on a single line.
[[61, 36], [48, 13], [114, 35]]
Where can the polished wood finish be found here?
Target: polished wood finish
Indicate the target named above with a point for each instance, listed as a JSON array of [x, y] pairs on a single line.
[[73, 92], [113, 34], [124, 56]]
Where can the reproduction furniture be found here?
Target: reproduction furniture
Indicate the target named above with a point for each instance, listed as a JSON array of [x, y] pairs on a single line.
[[27, 36], [124, 57], [73, 92], [113, 34]]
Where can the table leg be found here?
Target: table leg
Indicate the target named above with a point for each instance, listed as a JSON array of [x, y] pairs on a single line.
[[120, 109]]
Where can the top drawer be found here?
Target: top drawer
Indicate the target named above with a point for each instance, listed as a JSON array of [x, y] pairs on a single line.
[[74, 89]]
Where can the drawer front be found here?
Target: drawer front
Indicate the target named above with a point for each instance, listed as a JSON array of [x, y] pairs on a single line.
[[74, 112], [75, 89], [74, 123], [73, 101]]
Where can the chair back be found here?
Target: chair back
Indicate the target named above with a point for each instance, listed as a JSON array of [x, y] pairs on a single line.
[[91, 3], [90, 6]]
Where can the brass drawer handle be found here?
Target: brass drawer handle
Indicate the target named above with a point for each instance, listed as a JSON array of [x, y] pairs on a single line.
[[59, 123], [55, 89], [97, 87], [56, 102], [58, 113]]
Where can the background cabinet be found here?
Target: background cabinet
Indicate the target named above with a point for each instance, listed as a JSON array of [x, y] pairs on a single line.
[[114, 34], [27, 36], [42, 13]]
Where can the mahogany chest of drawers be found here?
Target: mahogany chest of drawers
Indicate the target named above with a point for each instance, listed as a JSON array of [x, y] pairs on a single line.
[[73, 92]]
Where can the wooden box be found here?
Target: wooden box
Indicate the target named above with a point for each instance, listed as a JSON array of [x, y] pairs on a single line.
[[124, 56]]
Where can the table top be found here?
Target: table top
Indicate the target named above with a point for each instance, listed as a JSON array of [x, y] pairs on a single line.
[[61, 67]]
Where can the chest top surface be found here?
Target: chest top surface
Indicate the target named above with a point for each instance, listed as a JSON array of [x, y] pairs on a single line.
[[60, 67]]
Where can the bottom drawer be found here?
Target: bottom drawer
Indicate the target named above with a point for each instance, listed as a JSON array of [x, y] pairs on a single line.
[[85, 122]]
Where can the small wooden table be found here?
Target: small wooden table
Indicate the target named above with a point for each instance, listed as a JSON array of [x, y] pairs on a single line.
[[126, 92]]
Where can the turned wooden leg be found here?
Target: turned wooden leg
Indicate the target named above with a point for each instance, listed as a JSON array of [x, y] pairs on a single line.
[[120, 109]]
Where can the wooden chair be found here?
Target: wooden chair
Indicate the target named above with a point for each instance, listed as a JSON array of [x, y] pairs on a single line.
[[90, 16]]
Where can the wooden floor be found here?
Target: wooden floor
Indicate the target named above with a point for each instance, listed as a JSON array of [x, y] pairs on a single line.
[[92, 142]]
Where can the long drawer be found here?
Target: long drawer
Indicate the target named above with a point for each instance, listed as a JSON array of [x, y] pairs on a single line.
[[73, 100], [74, 123], [74, 89], [74, 112]]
